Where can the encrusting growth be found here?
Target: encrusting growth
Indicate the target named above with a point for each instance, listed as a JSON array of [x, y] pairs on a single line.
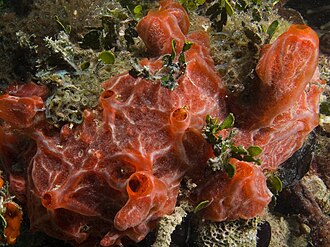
[[113, 177], [285, 68]]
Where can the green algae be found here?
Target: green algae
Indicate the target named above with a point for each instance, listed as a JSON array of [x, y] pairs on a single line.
[[104, 51]]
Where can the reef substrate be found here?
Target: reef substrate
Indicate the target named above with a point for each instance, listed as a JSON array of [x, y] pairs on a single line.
[[109, 180]]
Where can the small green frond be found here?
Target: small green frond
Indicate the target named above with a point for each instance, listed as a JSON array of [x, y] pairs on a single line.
[[107, 57], [254, 150], [275, 184], [228, 122], [201, 205], [230, 169]]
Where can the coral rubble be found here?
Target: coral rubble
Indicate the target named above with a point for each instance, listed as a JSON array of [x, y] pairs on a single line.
[[221, 234]]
